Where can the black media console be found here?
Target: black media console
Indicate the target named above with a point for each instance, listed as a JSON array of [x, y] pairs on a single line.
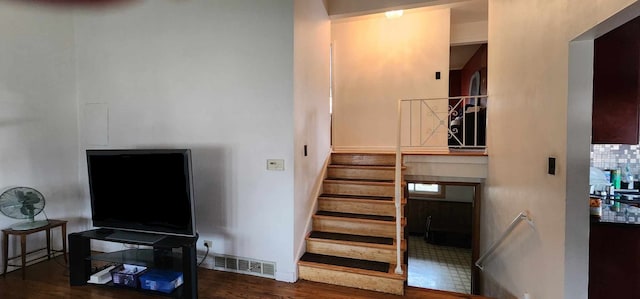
[[161, 255]]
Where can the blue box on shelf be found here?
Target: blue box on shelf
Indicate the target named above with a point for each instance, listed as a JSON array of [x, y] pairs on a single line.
[[161, 280]]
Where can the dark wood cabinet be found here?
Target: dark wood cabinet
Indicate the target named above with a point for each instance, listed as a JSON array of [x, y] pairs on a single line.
[[616, 86], [416, 216], [613, 261]]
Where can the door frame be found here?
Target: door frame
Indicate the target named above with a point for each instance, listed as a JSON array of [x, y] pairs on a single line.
[[475, 225]]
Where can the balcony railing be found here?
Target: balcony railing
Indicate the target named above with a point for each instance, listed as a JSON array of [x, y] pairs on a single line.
[[443, 123]]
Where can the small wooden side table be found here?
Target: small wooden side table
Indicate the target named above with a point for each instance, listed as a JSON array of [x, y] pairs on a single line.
[[53, 223]]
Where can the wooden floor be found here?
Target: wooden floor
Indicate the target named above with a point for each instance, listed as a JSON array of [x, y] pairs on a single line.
[[50, 280]]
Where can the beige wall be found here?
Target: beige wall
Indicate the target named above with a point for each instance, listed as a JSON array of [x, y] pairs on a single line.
[[446, 168], [378, 61], [528, 87], [469, 33]]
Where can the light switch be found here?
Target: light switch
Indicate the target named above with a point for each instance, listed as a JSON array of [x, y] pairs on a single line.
[[275, 164], [552, 166]]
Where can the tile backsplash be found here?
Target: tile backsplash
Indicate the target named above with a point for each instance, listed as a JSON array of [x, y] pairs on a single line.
[[616, 156]]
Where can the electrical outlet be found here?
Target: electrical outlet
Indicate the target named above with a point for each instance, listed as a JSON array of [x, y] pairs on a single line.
[[208, 243]]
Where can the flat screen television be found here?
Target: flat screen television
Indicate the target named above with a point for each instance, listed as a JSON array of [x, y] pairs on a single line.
[[142, 190]]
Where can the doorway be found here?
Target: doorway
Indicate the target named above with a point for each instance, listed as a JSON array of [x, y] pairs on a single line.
[[579, 120], [442, 235]]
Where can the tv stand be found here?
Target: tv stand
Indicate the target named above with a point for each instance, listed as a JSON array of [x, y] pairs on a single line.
[[134, 237], [161, 256], [104, 231]]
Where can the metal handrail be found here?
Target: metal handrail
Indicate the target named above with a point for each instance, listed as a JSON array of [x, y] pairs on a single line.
[[524, 215]]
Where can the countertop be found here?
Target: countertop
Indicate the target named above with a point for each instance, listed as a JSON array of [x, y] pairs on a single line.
[[626, 215]]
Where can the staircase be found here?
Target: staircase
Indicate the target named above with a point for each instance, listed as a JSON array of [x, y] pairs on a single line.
[[353, 241]]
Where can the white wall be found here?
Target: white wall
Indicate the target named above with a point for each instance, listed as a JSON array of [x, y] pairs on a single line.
[[38, 118], [214, 76], [578, 147], [446, 167], [378, 61], [528, 87], [311, 40]]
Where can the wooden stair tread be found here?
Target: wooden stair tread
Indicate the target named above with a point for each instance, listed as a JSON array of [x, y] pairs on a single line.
[[351, 238], [359, 181], [363, 197], [345, 262], [373, 165], [360, 166], [357, 216]]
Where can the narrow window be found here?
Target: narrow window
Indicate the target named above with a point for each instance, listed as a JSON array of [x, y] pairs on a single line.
[[426, 190]]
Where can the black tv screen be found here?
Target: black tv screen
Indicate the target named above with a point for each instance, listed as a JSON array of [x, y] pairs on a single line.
[[142, 190]]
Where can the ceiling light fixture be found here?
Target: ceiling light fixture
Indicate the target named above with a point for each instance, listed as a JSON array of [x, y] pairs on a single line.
[[392, 14]]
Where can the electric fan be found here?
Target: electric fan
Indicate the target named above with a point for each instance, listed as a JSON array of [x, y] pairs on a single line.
[[23, 203]]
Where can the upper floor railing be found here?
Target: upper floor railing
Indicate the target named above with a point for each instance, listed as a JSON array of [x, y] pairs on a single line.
[[443, 123]]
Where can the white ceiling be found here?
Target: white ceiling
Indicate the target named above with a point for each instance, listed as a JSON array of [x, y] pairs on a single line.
[[462, 11]]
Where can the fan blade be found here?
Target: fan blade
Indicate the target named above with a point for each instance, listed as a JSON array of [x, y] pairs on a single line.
[[13, 212]]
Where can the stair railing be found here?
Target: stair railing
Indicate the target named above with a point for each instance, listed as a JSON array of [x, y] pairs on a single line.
[[398, 193], [524, 215]]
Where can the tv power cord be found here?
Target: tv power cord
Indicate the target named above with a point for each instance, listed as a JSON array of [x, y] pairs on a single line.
[[205, 254]]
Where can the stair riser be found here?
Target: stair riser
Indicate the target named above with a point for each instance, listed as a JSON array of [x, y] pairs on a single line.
[[354, 280], [382, 208], [364, 159], [346, 226], [346, 188], [363, 174], [387, 255]]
